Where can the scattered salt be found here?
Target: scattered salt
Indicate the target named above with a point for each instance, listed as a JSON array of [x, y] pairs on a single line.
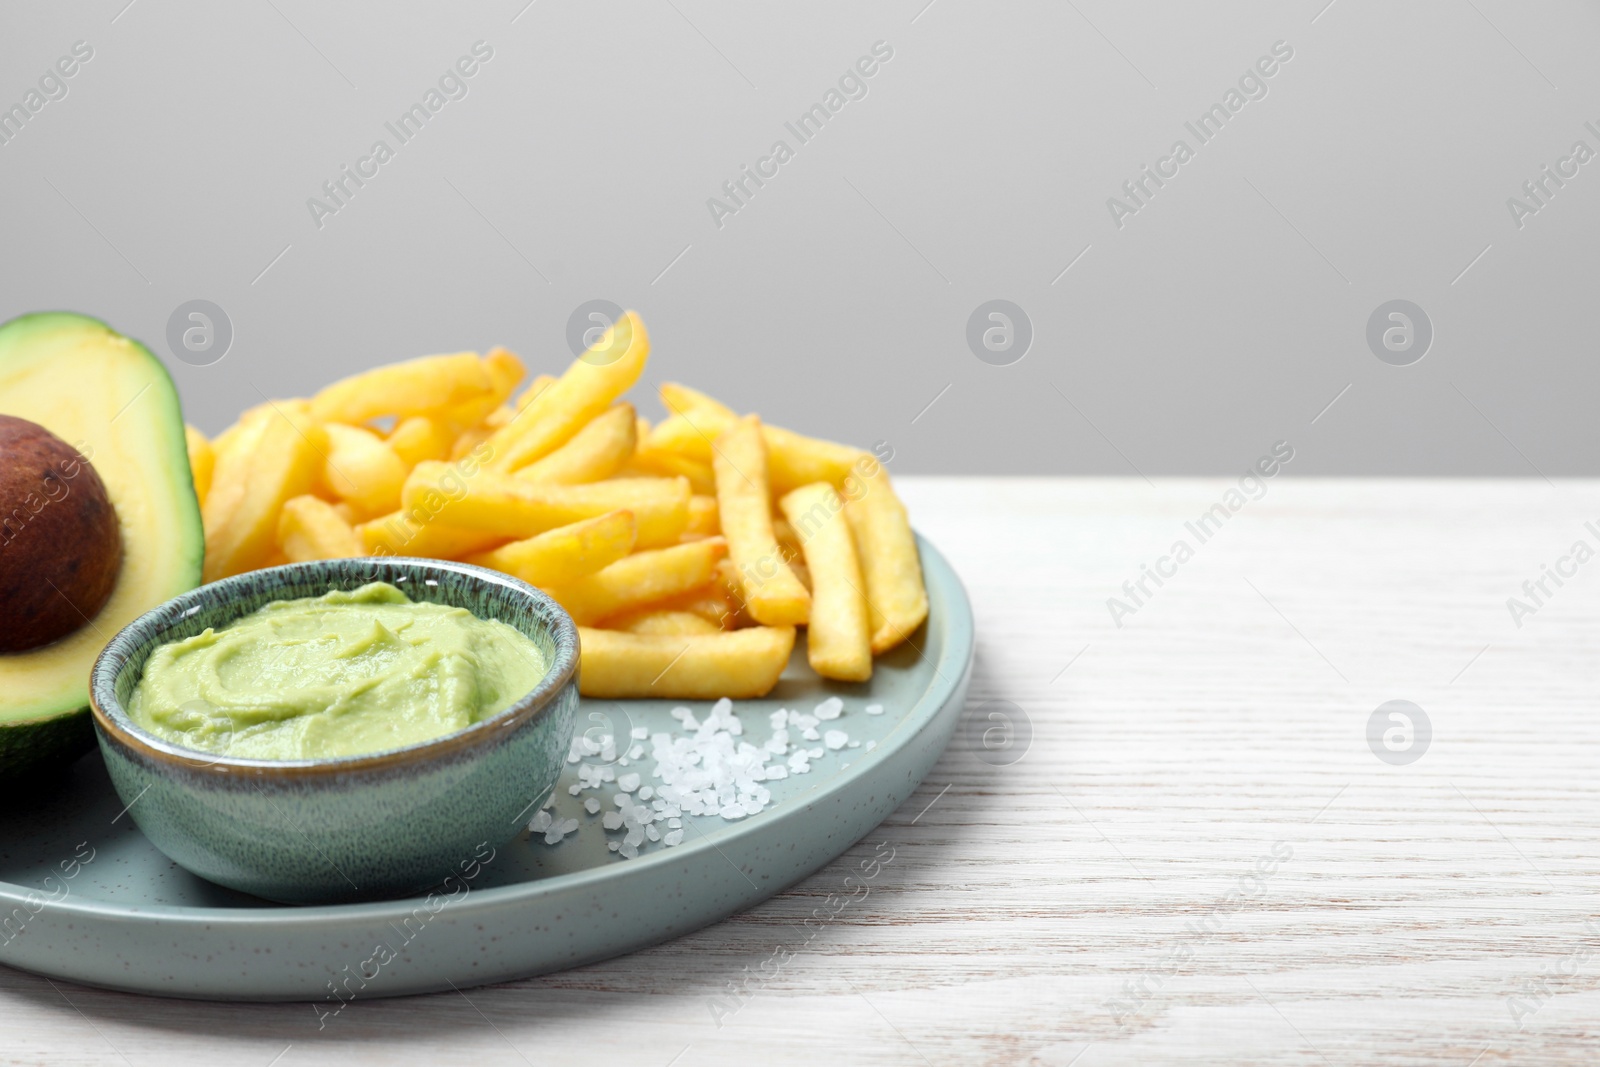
[[704, 768], [874, 709]]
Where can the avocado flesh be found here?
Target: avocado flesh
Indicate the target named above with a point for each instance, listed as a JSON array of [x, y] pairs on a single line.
[[108, 396]]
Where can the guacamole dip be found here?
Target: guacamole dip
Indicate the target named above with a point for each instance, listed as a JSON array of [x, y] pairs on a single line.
[[344, 674]]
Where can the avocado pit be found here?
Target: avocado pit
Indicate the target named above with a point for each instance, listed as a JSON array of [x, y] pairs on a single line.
[[60, 546]]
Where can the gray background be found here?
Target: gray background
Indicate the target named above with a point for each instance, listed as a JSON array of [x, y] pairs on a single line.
[[1227, 314]]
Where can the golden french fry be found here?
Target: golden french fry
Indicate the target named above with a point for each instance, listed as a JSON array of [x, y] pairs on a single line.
[[312, 528], [470, 440], [566, 553], [682, 400], [594, 453], [680, 435], [539, 384], [514, 507], [277, 455], [710, 602], [416, 532], [588, 387], [347, 513], [741, 664], [505, 373], [793, 459], [897, 601], [414, 387], [800, 460], [362, 469], [788, 539], [702, 516], [656, 621], [421, 437], [838, 643], [651, 462], [640, 580], [202, 461], [773, 595]]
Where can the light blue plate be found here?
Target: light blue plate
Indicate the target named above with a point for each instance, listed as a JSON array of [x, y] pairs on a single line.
[[129, 918]]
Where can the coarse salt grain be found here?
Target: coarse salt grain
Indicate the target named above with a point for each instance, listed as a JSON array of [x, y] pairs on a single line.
[[874, 709], [706, 769]]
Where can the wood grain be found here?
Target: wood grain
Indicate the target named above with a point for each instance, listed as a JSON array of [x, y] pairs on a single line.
[[1074, 906]]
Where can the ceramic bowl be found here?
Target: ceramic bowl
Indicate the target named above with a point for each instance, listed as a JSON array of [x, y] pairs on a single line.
[[354, 828]]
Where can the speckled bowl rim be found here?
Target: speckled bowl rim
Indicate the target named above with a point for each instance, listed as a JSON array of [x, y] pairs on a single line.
[[151, 627]]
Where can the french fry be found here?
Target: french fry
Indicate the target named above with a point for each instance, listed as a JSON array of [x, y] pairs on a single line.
[[566, 553], [421, 437], [415, 532], [838, 643], [640, 580], [741, 664], [654, 463], [276, 456], [773, 595], [414, 387], [202, 461], [469, 440], [655, 621], [788, 540], [594, 453], [711, 602], [733, 594], [588, 387], [702, 517], [311, 528], [362, 469], [793, 459], [680, 399], [514, 507], [897, 601], [540, 383], [505, 373], [680, 435]]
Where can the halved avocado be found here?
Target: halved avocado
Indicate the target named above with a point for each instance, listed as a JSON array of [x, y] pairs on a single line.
[[107, 397]]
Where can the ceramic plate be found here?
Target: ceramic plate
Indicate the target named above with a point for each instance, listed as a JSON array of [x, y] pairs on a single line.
[[83, 895]]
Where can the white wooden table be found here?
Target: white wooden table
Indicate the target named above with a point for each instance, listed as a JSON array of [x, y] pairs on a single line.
[[1092, 902]]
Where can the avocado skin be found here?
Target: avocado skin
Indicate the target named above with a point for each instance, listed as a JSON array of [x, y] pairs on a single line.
[[32, 748]]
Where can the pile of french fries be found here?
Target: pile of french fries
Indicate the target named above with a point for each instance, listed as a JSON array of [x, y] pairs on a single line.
[[688, 552]]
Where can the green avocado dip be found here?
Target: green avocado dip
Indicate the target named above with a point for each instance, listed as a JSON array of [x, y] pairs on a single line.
[[344, 674]]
